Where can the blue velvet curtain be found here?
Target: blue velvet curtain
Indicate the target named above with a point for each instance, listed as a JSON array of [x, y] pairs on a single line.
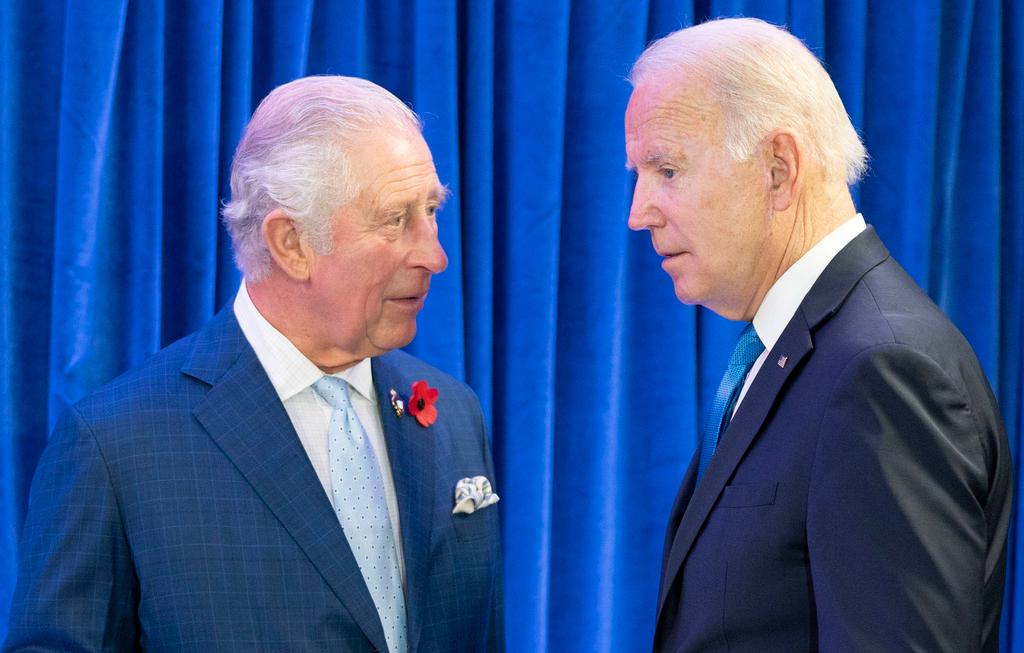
[[117, 124]]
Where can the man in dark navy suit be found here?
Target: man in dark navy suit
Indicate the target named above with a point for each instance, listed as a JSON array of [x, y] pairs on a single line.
[[852, 491], [283, 480]]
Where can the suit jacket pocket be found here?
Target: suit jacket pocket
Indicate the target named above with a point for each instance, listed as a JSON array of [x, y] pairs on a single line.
[[473, 526], [748, 495]]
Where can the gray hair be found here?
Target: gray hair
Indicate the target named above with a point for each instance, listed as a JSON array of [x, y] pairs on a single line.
[[763, 78], [293, 157]]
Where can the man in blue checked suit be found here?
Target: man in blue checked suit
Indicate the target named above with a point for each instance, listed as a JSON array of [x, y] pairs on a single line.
[[274, 482], [852, 489]]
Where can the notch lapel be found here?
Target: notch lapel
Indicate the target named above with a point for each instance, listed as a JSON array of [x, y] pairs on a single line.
[[678, 509], [795, 342], [243, 415], [411, 451]]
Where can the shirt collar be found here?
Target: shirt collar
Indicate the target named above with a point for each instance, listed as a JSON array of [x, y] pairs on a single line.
[[289, 370], [787, 293]]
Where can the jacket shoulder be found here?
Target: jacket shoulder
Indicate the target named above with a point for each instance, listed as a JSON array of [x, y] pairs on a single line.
[[887, 307], [156, 387]]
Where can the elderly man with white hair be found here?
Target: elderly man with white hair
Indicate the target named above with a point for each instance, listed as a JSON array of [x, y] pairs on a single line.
[[852, 488], [283, 480]]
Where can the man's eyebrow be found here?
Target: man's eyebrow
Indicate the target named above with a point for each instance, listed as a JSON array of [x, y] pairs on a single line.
[[651, 160], [440, 194]]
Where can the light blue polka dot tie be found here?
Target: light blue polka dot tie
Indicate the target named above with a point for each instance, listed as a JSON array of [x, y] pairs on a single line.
[[358, 492], [747, 349]]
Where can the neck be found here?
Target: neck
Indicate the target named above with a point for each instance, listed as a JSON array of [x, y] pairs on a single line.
[[281, 303], [798, 229]]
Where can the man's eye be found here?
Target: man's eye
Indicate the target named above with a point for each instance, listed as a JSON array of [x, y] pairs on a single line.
[[396, 220], [432, 209], [667, 173]]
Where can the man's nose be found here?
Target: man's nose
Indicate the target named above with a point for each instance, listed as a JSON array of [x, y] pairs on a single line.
[[428, 252], [641, 213]]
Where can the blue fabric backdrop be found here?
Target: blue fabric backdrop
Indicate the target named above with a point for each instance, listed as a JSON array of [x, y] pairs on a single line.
[[118, 120]]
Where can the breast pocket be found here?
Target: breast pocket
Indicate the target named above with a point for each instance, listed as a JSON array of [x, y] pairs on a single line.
[[473, 526], [749, 495]]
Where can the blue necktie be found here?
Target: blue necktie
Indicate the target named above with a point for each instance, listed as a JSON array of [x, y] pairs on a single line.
[[358, 492], [748, 348]]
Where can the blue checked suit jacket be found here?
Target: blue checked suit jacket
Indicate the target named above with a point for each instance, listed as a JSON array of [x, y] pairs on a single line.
[[176, 510]]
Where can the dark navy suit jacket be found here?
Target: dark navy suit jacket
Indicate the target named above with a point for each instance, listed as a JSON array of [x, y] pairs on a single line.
[[860, 497], [176, 510]]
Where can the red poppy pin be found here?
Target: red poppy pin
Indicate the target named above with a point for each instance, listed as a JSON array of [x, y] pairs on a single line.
[[421, 403]]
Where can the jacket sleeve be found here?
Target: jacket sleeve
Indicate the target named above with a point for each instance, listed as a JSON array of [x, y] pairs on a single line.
[[76, 589], [896, 524]]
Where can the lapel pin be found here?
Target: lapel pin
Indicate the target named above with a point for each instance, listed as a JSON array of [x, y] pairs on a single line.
[[783, 360], [421, 403], [397, 404]]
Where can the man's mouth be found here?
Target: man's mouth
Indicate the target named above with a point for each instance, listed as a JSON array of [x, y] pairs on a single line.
[[412, 302], [664, 251]]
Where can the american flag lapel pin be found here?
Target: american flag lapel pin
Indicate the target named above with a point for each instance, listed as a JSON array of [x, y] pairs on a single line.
[[783, 360]]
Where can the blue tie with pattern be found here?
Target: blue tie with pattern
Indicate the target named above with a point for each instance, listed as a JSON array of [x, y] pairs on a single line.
[[358, 492], [747, 349]]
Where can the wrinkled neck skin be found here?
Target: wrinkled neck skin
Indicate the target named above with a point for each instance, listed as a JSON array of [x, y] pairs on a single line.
[[818, 209], [284, 303]]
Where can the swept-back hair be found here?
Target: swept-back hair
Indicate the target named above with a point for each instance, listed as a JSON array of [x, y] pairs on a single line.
[[763, 78], [294, 156]]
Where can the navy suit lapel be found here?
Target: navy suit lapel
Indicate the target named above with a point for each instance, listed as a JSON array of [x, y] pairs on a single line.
[[796, 342], [411, 451], [244, 416], [678, 509]]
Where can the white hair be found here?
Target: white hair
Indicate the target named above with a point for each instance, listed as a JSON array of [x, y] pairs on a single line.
[[763, 78], [293, 156]]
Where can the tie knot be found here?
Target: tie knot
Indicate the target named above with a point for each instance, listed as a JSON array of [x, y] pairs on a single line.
[[333, 390], [748, 348]]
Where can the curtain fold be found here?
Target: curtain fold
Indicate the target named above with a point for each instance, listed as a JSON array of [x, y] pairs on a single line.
[[29, 52], [82, 351], [118, 121], [476, 30], [193, 60], [531, 49], [591, 313]]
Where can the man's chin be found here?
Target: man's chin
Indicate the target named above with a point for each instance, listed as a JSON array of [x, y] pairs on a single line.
[[394, 337], [685, 293]]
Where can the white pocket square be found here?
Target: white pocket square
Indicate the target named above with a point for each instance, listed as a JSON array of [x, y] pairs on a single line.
[[472, 494]]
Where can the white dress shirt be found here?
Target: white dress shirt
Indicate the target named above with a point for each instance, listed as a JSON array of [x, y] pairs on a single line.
[[785, 296], [293, 376]]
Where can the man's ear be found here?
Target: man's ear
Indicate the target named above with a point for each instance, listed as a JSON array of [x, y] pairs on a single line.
[[784, 167], [287, 247]]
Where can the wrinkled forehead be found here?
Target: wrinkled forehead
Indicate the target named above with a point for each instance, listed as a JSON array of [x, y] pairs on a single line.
[[682, 96], [396, 162], [369, 140], [661, 109]]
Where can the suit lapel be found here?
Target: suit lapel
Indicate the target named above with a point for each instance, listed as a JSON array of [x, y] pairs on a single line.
[[411, 453], [244, 416], [824, 299], [795, 344], [678, 509]]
